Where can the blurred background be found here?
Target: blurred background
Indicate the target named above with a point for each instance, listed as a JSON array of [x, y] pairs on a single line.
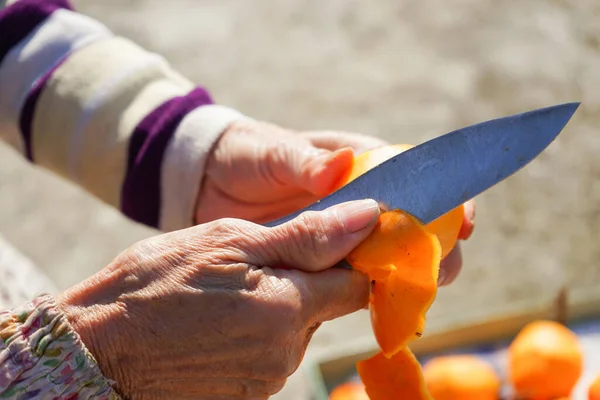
[[405, 71]]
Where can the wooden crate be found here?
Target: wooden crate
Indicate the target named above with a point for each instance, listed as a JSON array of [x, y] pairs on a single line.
[[580, 309]]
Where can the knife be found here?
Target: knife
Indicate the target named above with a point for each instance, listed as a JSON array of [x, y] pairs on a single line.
[[433, 178]]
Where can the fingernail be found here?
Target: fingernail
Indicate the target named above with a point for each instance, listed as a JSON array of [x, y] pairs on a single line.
[[325, 155], [314, 152], [358, 215], [342, 150], [442, 277]]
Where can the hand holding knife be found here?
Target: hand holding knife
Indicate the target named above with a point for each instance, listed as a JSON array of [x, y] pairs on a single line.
[[433, 178]]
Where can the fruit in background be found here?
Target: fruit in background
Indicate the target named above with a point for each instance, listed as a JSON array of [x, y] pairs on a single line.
[[461, 377], [398, 377], [446, 227], [545, 361], [594, 389], [349, 391]]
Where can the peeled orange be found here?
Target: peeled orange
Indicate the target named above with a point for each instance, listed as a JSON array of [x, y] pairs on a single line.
[[446, 227], [402, 260], [402, 257]]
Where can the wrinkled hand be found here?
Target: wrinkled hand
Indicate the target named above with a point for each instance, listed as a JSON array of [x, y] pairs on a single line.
[[203, 313], [260, 172]]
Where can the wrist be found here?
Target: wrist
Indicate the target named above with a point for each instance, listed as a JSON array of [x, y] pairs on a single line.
[[185, 162], [48, 354], [94, 319]]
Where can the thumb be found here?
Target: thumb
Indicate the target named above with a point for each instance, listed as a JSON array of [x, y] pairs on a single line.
[[315, 241], [315, 170]]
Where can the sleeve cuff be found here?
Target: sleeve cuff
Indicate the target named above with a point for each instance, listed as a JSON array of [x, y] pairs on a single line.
[[185, 162], [41, 356]]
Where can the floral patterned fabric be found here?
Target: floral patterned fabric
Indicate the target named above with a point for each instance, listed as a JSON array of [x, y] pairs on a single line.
[[42, 357]]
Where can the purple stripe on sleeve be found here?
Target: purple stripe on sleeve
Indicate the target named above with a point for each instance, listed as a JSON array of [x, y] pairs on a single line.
[[28, 111], [140, 194], [21, 18]]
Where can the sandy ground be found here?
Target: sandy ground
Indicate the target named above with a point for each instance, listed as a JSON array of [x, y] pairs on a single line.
[[402, 70]]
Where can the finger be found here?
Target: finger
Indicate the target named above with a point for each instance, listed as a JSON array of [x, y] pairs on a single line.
[[330, 294], [450, 266], [298, 163], [224, 206], [314, 241], [321, 175], [469, 221], [332, 140]]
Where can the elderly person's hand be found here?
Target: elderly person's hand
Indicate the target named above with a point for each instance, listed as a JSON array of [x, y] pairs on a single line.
[[204, 313], [259, 172]]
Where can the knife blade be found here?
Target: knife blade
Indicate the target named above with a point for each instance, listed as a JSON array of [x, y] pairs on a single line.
[[437, 176]]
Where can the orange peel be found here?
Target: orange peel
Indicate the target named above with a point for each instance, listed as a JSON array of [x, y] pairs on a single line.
[[401, 256]]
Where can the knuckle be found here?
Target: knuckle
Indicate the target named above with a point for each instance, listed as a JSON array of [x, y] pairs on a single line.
[[313, 234], [148, 249], [225, 228], [274, 387], [265, 388], [277, 156], [257, 279], [285, 368], [283, 311], [295, 302], [143, 247], [231, 233]]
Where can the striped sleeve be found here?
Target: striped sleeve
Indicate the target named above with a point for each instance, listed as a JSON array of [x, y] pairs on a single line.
[[104, 113]]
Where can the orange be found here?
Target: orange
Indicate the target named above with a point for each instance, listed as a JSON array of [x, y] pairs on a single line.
[[349, 391], [461, 377], [372, 158], [594, 389], [402, 257], [545, 361], [446, 227]]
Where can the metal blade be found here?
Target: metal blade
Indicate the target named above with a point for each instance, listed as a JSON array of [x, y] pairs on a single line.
[[437, 176]]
